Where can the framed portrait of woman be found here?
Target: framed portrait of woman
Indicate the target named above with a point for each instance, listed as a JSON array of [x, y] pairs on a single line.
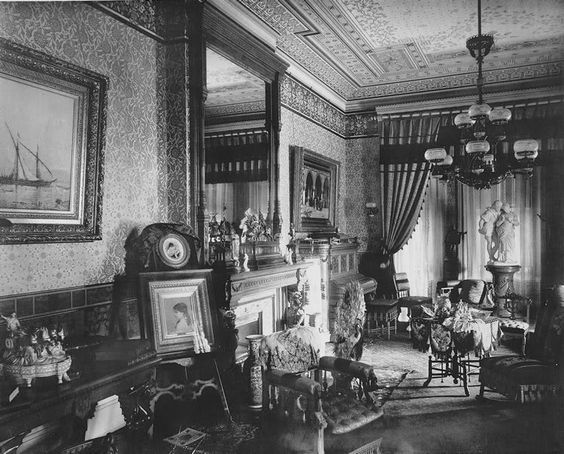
[[179, 308]]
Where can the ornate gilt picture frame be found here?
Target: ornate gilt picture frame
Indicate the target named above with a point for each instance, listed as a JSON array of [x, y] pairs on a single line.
[[313, 187], [180, 311], [52, 134]]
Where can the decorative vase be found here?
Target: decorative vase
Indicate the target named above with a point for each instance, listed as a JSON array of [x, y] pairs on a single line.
[[253, 372]]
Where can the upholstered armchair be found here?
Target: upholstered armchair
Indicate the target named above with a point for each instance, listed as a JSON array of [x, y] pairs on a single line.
[[538, 375], [308, 405], [475, 292]]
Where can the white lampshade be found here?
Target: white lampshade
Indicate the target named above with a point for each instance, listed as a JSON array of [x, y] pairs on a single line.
[[527, 148], [479, 110], [500, 115], [478, 146], [463, 120], [447, 161], [435, 154]]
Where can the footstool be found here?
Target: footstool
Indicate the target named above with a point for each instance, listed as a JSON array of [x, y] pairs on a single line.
[[515, 327], [380, 312]]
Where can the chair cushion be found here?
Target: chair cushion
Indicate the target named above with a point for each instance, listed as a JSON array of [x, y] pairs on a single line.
[[344, 413], [293, 350], [410, 301], [472, 291], [517, 325]]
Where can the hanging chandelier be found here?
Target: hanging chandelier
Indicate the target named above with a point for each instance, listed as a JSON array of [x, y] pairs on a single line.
[[483, 158]]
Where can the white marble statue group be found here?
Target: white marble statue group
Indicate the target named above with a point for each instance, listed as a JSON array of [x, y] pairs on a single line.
[[497, 224]]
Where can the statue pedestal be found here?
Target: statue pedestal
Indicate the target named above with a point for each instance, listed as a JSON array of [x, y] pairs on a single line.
[[503, 284]]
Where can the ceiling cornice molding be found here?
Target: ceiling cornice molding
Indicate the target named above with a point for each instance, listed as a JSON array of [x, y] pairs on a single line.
[[236, 108], [438, 104], [518, 74], [315, 85], [305, 102]]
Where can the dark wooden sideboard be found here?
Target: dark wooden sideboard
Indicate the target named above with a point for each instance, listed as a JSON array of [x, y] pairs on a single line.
[[91, 381]]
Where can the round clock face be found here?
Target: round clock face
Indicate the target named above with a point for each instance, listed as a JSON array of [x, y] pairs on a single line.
[[173, 250]]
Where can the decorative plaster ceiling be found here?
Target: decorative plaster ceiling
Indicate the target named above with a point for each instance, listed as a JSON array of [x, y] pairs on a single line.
[[367, 52], [231, 89]]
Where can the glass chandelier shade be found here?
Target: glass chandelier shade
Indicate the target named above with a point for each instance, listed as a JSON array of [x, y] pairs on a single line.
[[483, 161]]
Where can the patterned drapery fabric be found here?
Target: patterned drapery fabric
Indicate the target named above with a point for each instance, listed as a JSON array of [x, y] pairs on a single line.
[[403, 193]]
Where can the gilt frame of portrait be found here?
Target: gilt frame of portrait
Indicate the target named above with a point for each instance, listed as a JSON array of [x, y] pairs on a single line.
[[52, 139], [173, 299], [313, 183]]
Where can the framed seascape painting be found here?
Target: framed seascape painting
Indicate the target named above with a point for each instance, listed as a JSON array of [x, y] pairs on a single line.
[[52, 124], [180, 311], [313, 183]]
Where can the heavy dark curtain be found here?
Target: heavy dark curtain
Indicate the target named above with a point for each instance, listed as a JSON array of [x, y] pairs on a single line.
[[405, 173]]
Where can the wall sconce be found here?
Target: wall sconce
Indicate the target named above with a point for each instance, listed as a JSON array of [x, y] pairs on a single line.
[[371, 209]]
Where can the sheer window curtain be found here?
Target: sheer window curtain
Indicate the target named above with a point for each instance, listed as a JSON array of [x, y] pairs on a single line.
[[524, 196], [236, 198], [422, 257]]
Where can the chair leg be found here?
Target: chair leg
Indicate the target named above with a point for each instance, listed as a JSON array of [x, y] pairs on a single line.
[[481, 393], [465, 379], [388, 324], [426, 383]]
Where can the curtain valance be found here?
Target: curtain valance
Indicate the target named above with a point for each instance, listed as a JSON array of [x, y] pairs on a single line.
[[405, 137], [237, 156]]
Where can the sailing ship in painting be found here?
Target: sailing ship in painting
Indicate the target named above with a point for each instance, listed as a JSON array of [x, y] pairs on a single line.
[[21, 173], [26, 181]]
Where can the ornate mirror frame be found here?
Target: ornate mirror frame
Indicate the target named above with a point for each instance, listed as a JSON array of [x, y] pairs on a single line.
[[228, 38]]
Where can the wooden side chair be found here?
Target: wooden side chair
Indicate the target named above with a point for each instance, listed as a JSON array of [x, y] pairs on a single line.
[[536, 376], [405, 300]]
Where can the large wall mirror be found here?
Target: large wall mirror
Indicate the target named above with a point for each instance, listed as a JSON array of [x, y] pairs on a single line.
[[242, 122], [236, 140]]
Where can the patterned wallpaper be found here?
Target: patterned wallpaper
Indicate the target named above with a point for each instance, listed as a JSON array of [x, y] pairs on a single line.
[[358, 158], [362, 165], [138, 151], [82, 35], [299, 131]]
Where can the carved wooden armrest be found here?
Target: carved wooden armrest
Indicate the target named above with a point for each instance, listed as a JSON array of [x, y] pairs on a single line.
[[303, 385], [345, 366]]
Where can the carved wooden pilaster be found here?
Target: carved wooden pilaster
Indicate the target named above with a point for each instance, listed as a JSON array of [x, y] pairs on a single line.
[[273, 108], [181, 92], [197, 94]]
